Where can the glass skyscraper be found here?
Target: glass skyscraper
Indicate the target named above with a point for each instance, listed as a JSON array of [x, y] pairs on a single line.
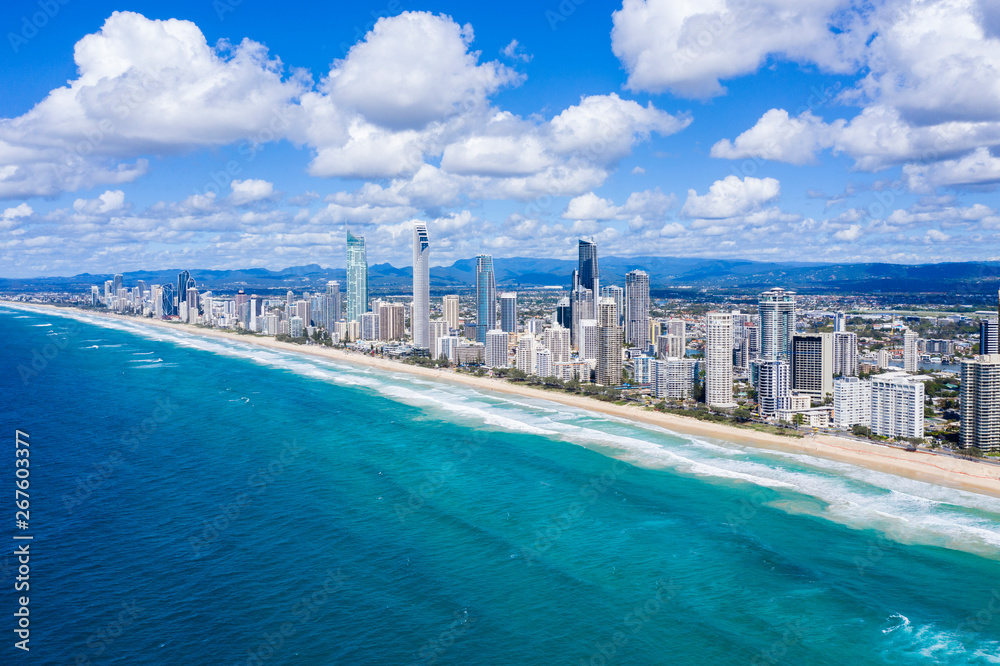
[[486, 297], [357, 277], [420, 315]]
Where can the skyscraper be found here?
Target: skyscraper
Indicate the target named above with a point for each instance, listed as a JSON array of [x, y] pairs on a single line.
[[609, 344], [496, 349], [118, 282], [357, 277], [450, 307], [420, 316], [773, 387], [637, 309], [812, 364], [508, 312], [845, 354], [335, 304], [897, 407], [777, 323], [719, 359], [989, 339], [589, 278], [980, 410], [181, 293], [911, 358], [486, 297]]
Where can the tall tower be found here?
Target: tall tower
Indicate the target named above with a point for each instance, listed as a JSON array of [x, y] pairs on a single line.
[[420, 317], [637, 309], [450, 304], [508, 312], [486, 297], [357, 277], [588, 266], [980, 400], [777, 324], [911, 358], [719, 359], [182, 286], [609, 344]]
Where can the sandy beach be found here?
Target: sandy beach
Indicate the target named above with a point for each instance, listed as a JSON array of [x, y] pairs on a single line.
[[923, 466]]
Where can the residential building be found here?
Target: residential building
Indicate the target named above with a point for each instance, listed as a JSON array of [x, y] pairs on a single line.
[[777, 323], [812, 364], [420, 314], [719, 359], [845, 354], [357, 277], [911, 357], [637, 309], [496, 349], [980, 404], [486, 297], [450, 307], [508, 311], [609, 344], [852, 402], [773, 387], [897, 406]]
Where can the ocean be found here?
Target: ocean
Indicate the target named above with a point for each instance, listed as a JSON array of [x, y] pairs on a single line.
[[197, 501]]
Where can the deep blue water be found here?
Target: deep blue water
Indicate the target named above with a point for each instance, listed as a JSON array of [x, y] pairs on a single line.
[[197, 501]]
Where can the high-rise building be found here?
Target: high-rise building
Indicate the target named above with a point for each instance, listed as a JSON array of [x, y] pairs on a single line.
[[582, 308], [335, 304], [719, 359], [556, 340], [883, 359], [674, 378], [812, 364], [989, 336], [668, 346], [508, 311], [897, 407], [526, 348], [486, 297], [420, 315], [543, 362], [777, 323], [564, 314], [182, 286], [911, 357], [117, 282], [589, 340], [609, 344], [357, 277], [588, 270], [845, 354], [369, 326], [839, 322], [496, 349], [450, 306], [618, 294], [637, 309], [391, 324], [852, 402], [980, 400], [773, 387]]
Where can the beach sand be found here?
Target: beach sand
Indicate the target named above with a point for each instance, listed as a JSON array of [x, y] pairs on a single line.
[[921, 465]]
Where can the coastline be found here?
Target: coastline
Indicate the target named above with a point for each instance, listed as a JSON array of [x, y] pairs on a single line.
[[921, 466]]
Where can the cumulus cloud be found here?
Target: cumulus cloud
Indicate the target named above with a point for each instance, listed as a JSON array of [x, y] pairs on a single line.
[[979, 167], [250, 190], [778, 137], [850, 234], [413, 69], [515, 51], [687, 46], [731, 197], [110, 201]]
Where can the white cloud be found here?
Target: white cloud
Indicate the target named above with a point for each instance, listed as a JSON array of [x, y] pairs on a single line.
[[414, 69], [778, 137], [936, 236], [979, 167], [687, 46], [515, 51], [110, 201], [250, 190], [851, 233], [731, 197], [589, 206]]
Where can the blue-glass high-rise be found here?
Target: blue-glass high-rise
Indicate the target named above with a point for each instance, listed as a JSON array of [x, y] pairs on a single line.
[[486, 297]]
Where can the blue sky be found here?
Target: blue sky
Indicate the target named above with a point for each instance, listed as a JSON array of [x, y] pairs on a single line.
[[231, 134]]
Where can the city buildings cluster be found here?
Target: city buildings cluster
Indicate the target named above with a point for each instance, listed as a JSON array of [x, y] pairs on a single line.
[[605, 334]]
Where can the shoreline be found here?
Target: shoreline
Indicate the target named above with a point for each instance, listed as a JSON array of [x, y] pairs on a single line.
[[921, 466]]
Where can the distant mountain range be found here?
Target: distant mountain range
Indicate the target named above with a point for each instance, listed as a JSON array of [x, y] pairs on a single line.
[[977, 280]]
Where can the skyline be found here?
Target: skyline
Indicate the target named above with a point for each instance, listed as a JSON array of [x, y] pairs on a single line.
[[830, 133]]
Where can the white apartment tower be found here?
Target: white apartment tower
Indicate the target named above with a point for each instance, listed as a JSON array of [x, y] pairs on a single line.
[[420, 315], [980, 424], [496, 349], [911, 357], [719, 359], [637, 309], [852, 402], [897, 407], [777, 323]]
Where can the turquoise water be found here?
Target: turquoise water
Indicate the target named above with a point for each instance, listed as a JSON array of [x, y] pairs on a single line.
[[204, 501]]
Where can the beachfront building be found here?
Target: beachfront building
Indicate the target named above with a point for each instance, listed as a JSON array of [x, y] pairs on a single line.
[[989, 336], [773, 387], [637, 309], [897, 406], [543, 362], [719, 359], [486, 297], [496, 349], [674, 378], [609, 344], [357, 277], [589, 334], [391, 321], [852, 402], [812, 364], [525, 355], [980, 410], [420, 314]]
